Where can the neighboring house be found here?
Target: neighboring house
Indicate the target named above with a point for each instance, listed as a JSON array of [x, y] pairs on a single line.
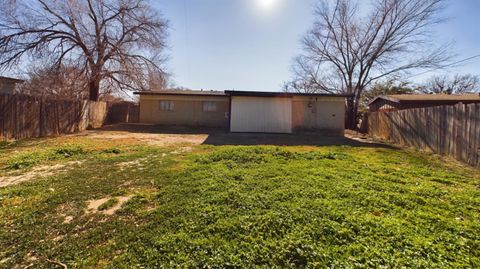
[[7, 85], [406, 101], [241, 111]]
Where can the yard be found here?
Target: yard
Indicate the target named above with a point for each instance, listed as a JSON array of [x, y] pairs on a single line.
[[117, 199]]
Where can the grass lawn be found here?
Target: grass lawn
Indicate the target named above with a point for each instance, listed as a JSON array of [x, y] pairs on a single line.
[[120, 203]]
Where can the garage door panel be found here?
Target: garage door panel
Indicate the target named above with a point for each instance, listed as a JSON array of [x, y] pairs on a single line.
[[260, 114]]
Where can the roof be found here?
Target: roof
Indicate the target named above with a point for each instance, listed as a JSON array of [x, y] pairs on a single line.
[[11, 79], [429, 98], [282, 94], [237, 93], [182, 92]]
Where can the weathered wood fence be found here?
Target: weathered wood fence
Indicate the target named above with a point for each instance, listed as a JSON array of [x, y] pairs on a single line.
[[23, 116], [123, 112], [447, 130]]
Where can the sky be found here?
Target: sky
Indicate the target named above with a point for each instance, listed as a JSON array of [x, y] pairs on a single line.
[[250, 44]]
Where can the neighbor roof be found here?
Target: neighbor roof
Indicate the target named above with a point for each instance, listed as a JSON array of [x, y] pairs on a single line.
[[429, 98], [11, 79], [182, 92]]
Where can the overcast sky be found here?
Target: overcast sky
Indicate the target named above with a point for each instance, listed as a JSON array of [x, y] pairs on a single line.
[[249, 44]]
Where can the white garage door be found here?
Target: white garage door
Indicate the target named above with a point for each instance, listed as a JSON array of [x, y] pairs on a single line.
[[261, 114]]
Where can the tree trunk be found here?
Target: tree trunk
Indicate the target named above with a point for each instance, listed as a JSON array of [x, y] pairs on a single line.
[[94, 89], [351, 121]]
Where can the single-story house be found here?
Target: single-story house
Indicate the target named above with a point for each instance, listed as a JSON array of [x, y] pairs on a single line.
[[7, 85], [245, 111], [406, 101]]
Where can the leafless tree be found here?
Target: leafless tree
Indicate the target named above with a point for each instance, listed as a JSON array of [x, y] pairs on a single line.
[[117, 42], [445, 84], [66, 82], [345, 51]]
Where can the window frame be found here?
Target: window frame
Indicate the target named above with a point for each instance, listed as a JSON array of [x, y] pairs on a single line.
[[166, 105], [209, 106]]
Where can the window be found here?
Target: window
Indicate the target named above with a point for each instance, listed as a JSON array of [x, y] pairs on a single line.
[[166, 105], [209, 106]]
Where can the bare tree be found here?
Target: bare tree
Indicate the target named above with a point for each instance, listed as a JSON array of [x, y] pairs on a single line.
[[447, 85], [117, 42], [345, 52], [67, 82]]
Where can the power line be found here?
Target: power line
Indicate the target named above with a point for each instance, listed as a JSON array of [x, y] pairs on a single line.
[[187, 38], [445, 66]]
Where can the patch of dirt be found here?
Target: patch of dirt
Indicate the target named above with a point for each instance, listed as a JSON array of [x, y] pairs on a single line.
[[182, 150], [68, 219], [93, 205], [130, 164], [154, 139], [5, 260], [39, 171], [360, 137], [165, 136]]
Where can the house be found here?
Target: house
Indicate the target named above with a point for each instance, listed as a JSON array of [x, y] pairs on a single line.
[[7, 85], [406, 101], [245, 111]]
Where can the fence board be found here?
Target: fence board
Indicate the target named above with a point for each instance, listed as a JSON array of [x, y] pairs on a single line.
[[24, 116], [447, 130]]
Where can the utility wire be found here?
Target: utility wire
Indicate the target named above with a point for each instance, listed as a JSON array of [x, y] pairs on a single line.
[[445, 66], [187, 38]]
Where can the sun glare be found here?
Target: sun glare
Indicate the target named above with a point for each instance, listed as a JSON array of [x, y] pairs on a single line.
[[267, 4]]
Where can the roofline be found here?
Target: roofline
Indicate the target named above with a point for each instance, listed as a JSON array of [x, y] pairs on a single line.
[[399, 101], [283, 94], [395, 100], [12, 79], [243, 93], [181, 94]]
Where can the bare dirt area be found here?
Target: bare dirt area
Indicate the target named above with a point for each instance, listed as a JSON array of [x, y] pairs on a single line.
[[168, 136], [148, 134], [40, 171], [94, 206]]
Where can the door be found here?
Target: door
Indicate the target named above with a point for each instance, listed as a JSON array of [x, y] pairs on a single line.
[[261, 114]]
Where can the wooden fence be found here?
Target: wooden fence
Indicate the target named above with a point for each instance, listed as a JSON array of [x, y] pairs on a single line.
[[122, 112], [24, 116], [446, 130]]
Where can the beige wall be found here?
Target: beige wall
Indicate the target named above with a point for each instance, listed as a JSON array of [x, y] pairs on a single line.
[[323, 114], [188, 111], [326, 114]]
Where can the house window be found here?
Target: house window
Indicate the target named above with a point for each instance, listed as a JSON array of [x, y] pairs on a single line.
[[166, 105], [209, 106]]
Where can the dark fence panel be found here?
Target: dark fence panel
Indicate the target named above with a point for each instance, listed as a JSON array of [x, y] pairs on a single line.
[[447, 130], [122, 112]]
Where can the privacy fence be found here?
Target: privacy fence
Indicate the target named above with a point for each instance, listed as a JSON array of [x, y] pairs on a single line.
[[23, 116], [122, 112], [447, 130]]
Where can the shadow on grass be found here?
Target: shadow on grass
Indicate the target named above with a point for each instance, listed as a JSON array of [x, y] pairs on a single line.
[[220, 136]]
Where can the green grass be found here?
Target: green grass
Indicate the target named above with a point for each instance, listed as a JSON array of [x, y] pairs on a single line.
[[238, 206]]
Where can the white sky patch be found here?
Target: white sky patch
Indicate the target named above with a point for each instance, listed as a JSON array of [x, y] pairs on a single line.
[[267, 6]]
